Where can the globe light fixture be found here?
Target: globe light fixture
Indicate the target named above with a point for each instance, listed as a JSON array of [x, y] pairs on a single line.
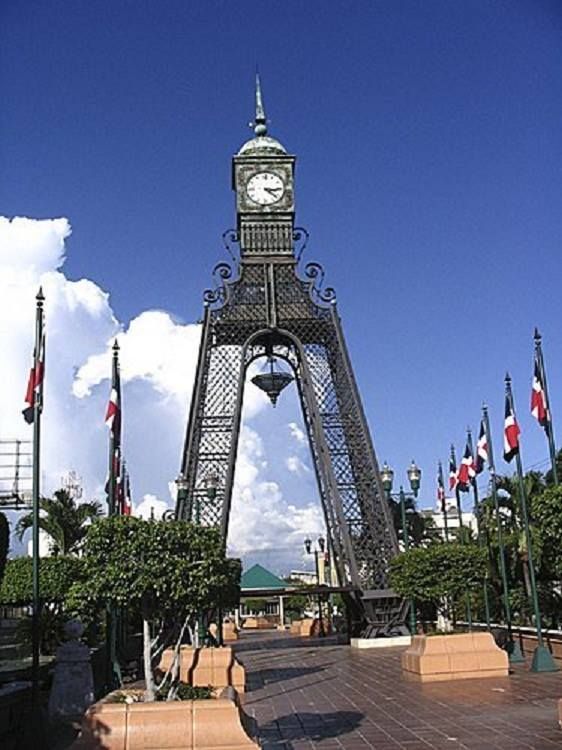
[[387, 477], [414, 475]]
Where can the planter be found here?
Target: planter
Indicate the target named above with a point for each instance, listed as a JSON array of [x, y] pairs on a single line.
[[177, 725], [207, 666], [308, 627], [256, 623], [454, 657], [229, 632]]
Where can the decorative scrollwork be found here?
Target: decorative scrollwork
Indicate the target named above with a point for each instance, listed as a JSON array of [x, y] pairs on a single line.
[[222, 273], [316, 274], [230, 237], [300, 234], [169, 515]]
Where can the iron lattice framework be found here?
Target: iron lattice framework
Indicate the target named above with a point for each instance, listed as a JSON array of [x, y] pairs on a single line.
[[268, 310]]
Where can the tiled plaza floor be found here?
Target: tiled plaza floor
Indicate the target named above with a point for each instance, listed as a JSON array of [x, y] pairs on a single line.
[[308, 694]]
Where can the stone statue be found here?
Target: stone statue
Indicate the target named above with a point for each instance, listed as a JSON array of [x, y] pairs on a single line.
[[73, 684]]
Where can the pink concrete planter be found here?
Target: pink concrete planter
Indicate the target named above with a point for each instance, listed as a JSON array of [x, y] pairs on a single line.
[[256, 623], [454, 657], [177, 725], [308, 627], [207, 666], [229, 632]]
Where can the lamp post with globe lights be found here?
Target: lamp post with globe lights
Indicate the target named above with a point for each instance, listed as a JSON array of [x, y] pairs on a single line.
[[414, 477], [320, 550]]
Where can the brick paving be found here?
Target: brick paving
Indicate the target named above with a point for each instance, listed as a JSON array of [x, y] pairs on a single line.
[[308, 694]]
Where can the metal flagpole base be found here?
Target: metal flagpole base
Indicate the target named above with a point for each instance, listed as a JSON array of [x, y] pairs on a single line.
[[543, 661], [516, 656]]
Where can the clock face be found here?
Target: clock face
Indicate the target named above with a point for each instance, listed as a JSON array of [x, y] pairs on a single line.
[[265, 188]]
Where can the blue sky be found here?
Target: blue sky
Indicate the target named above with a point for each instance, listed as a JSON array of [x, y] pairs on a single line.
[[429, 148]]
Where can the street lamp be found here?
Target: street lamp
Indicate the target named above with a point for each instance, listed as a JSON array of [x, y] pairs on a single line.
[[181, 490], [321, 542], [414, 477], [212, 484]]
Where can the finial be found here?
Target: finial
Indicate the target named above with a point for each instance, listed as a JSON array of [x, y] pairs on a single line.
[[260, 123], [537, 336], [507, 379], [40, 296], [115, 347]]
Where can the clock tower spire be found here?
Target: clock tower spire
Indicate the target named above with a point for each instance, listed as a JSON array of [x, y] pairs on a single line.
[[260, 123], [262, 177]]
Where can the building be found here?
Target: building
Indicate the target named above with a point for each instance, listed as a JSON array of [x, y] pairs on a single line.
[[258, 584], [436, 515]]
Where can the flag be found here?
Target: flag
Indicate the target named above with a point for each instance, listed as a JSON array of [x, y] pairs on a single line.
[[35, 384], [511, 432], [453, 476], [539, 407], [481, 449], [127, 509], [113, 413], [466, 472], [440, 489]]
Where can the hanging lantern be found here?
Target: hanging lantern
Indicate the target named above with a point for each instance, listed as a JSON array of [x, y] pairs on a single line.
[[272, 382]]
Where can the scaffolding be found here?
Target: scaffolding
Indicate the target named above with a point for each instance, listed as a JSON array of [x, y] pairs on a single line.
[[16, 473]]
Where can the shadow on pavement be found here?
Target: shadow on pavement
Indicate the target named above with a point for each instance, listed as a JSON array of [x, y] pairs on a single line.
[[260, 677], [292, 728]]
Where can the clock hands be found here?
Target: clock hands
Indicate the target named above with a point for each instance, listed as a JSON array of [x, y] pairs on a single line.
[[272, 191]]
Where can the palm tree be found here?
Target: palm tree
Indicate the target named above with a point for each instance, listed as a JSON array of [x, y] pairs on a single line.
[[63, 520]]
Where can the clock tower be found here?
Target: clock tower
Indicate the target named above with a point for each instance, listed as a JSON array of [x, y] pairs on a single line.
[[267, 307], [263, 178]]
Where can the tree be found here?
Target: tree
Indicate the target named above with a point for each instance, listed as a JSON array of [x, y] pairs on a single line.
[[58, 576], [421, 528], [546, 511], [171, 571], [4, 543], [63, 519], [438, 574]]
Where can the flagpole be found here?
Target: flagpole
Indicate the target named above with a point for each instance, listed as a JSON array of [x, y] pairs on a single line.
[[550, 426], [457, 495], [461, 534], [113, 672], [111, 505], [542, 658], [37, 406], [514, 651], [443, 500], [477, 513]]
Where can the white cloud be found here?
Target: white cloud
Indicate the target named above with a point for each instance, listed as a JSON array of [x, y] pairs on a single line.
[[150, 507], [296, 466], [262, 519], [297, 433]]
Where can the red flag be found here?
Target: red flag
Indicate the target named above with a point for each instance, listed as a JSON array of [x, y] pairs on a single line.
[[453, 476], [481, 449], [35, 384], [511, 433], [466, 471], [127, 500], [539, 408], [440, 489], [113, 413]]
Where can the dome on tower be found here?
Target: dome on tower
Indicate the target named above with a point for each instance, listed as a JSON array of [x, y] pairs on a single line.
[[262, 144]]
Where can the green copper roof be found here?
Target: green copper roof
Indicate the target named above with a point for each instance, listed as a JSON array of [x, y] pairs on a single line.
[[260, 578]]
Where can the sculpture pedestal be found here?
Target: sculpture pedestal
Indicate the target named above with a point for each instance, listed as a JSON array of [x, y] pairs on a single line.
[[73, 684]]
